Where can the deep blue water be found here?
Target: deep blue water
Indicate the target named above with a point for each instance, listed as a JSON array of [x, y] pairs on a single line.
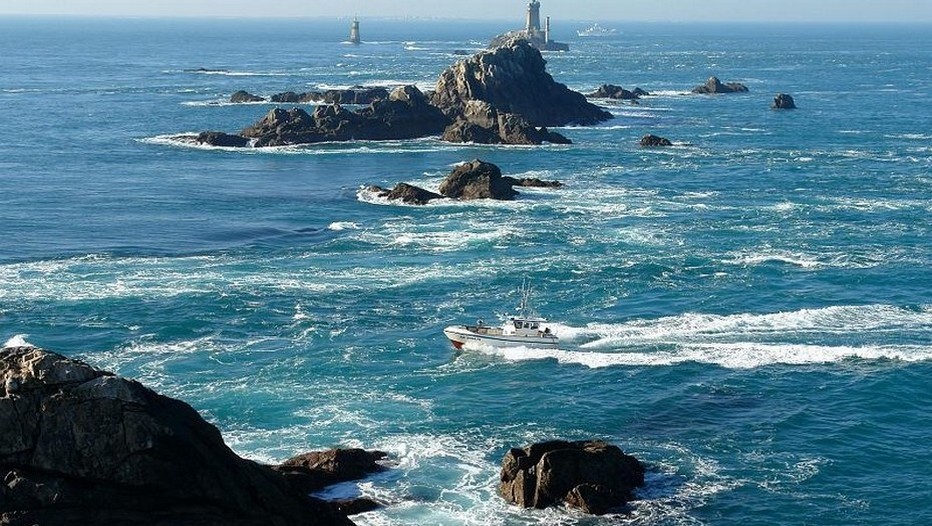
[[747, 312]]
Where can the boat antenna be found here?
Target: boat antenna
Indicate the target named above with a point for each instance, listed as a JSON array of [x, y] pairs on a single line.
[[525, 291]]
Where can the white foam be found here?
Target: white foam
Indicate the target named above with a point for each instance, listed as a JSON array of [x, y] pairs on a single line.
[[744, 355], [18, 340], [226, 102], [338, 226], [427, 144], [736, 341], [799, 259]]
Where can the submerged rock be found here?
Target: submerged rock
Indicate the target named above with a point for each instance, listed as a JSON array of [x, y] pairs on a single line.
[[713, 85], [783, 102], [215, 138], [533, 182], [241, 97], [477, 180], [593, 476], [513, 79], [79, 446], [316, 470], [406, 193], [651, 140]]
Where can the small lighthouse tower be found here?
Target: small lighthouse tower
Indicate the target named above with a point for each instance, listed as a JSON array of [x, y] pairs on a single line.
[[533, 17], [354, 31]]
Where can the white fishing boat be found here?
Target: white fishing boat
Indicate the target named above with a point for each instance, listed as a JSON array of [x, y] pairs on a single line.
[[521, 329], [595, 30]]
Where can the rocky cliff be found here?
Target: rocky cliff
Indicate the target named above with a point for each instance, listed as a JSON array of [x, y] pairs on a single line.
[[79, 446]]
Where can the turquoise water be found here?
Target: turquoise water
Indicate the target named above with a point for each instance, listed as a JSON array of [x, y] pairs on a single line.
[[748, 312]]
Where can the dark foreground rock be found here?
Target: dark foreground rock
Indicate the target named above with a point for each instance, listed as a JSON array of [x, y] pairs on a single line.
[[483, 124], [611, 91], [783, 102], [513, 79], [650, 141], [713, 85], [593, 476], [79, 446]]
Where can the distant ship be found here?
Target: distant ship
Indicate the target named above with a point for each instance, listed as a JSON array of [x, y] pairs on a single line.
[[532, 32], [595, 30]]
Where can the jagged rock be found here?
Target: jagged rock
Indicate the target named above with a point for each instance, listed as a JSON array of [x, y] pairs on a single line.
[[783, 102], [591, 475], [513, 79], [611, 91], [477, 180], [651, 140], [215, 138], [482, 124], [241, 97], [713, 85], [406, 114], [79, 446], [282, 127], [641, 93]]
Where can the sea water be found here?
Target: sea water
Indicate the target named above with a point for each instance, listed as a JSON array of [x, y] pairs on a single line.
[[747, 312]]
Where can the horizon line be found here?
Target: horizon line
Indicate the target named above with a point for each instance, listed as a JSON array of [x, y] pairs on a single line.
[[454, 19]]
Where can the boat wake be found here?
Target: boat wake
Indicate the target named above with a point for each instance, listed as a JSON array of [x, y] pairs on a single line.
[[743, 341]]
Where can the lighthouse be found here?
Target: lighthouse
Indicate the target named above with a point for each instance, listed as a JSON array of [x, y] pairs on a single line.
[[538, 36], [533, 17], [354, 31]]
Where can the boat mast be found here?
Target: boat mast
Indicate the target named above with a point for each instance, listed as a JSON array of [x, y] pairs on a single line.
[[524, 309]]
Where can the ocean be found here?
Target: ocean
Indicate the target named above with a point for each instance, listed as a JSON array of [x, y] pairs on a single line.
[[747, 312]]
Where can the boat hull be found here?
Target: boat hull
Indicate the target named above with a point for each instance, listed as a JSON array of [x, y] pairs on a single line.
[[460, 336]]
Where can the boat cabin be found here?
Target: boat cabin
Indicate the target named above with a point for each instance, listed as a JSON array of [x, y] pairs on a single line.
[[524, 327]]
